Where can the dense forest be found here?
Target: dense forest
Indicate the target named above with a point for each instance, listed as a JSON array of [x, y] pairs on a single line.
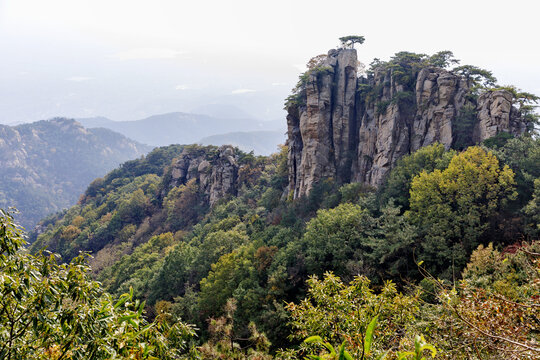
[[203, 253]]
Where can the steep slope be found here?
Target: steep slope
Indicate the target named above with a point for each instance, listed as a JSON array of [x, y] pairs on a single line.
[[170, 189], [46, 165], [179, 128], [352, 128]]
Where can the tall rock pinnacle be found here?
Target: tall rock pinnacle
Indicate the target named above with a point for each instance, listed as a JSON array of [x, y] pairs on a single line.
[[352, 128]]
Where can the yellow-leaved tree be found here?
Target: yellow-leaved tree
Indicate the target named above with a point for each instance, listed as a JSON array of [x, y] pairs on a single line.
[[454, 207]]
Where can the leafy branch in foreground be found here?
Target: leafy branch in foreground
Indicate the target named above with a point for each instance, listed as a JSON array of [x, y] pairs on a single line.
[[494, 310], [420, 346], [51, 311], [347, 314]]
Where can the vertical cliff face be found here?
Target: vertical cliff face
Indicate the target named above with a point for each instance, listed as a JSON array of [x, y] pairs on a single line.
[[353, 128], [496, 114]]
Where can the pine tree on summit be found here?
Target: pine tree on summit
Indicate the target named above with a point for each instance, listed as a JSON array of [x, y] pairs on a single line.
[[347, 42]]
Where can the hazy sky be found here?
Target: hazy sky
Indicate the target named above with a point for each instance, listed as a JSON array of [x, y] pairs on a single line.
[[128, 59]]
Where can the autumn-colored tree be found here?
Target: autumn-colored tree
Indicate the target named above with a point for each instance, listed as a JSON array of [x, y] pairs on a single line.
[[493, 312], [453, 207]]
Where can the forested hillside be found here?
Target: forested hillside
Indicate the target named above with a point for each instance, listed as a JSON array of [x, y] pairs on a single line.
[[288, 257], [46, 165], [259, 249]]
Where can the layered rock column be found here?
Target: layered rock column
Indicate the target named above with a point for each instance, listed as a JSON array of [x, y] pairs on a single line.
[[496, 114], [322, 132], [335, 132]]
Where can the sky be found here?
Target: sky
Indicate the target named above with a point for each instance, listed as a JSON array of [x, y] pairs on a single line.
[[127, 60]]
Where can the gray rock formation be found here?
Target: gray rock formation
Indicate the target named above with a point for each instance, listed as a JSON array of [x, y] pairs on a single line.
[[496, 114], [216, 173], [355, 129]]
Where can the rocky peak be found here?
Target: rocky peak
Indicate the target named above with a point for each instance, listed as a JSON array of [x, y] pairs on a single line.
[[353, 128], [214, 169]]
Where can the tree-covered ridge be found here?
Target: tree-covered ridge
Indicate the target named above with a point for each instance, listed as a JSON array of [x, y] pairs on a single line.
[[46, 165], [439, 261], [258, 249]]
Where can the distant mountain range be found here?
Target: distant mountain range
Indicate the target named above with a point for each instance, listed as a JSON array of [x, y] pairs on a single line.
[[185, 128], [261, 142], [46, 165]]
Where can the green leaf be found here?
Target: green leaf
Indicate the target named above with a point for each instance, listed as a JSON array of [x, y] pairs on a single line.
[[343, 354], [121, 301], [405, 355], [127, 317], [430, 348], [368, 339], [313, 339]]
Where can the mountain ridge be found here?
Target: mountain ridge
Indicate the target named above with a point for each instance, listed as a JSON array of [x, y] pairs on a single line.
[[47, 164], [179, 127]]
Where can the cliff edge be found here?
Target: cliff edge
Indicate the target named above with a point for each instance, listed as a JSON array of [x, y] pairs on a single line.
[[354, 128]]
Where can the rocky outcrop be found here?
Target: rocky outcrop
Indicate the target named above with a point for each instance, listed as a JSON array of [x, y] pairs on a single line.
[[214, 169], [351, 128], [496, 114], [439, 96]]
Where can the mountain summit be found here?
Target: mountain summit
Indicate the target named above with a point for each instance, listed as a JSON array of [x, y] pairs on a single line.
[[354, 128], [46, 165]]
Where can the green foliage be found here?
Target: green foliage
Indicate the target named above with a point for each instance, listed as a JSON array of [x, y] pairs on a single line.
[[453, 207], [352, 315], [391, 248], [475, 76], [351, 40], [184, 205], [336, 239], [522, 155], [532, 211], [463, 126], [233, 276], [498, 141], [104, 218], [420, 346], [442, 59], [157, 235], [137, 269], [51, 311], [190, 262], [153, 163], [397, 185]]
